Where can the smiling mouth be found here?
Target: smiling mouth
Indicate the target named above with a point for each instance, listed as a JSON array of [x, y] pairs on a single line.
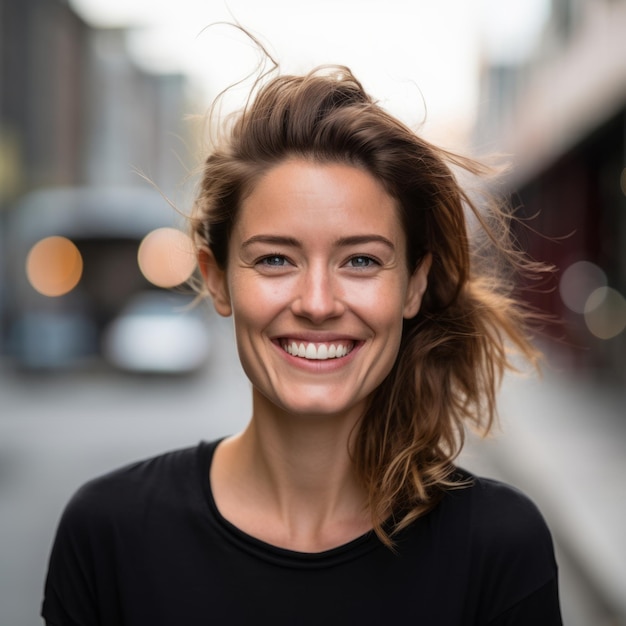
[[318, 351]]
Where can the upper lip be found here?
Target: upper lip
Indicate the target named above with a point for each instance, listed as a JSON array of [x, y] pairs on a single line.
[[315, 337]]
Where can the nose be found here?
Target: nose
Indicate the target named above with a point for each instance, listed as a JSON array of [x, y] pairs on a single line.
[[319, 295]]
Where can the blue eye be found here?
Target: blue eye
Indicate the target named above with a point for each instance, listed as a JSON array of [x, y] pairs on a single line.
[[273, 260], [362, 261]]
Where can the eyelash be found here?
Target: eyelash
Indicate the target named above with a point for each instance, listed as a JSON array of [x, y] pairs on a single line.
[[269, 257], [266, 261], [371, 261]]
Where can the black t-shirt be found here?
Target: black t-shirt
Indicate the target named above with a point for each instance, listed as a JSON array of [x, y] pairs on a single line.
[[146, 546]]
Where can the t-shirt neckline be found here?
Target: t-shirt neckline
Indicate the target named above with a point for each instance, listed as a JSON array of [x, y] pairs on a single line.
[[263, 550]]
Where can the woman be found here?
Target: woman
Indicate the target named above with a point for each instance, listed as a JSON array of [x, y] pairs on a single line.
[[372, 335]]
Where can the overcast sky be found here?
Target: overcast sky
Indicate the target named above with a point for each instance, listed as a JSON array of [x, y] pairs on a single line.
[[420, 58]]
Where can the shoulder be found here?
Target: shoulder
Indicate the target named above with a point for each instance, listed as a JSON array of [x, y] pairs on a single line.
[[116, 524], [508, 544], [492, 507], [134, 488], [503, 516]]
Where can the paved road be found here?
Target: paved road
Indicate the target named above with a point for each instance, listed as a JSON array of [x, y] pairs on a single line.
[[55, 433], [562, 441]]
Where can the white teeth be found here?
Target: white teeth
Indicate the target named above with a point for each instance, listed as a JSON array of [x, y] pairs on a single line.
[[320, 352]]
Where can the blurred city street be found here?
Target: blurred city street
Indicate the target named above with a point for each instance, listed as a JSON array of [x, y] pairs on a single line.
[[561, 444], [562, 441], [95, 100], [57, 432]]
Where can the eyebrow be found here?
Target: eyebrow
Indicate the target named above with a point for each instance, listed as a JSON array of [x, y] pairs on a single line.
[[353, 240], [276, 240], [356, 240]]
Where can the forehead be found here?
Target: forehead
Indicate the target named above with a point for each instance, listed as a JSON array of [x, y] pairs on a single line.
[[302, 195]]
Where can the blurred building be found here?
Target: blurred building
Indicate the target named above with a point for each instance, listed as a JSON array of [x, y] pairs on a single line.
[[42, 95], [76, 110], [554, 98], [134, 118]]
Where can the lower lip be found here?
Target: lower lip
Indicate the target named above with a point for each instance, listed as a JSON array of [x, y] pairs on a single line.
[[319, 365]]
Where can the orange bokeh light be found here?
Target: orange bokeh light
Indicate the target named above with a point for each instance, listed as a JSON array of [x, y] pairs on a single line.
[[54, 266], [166, 257]]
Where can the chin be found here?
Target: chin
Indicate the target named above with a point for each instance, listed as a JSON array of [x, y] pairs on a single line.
[[325, 405]]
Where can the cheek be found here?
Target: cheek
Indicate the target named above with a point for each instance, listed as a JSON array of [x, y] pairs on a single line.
[[255, 304], [381, 303]]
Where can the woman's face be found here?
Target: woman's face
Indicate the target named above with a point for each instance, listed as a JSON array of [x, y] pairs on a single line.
[[318, 285]]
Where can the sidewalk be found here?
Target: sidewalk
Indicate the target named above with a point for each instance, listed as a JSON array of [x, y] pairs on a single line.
[[563, 441]]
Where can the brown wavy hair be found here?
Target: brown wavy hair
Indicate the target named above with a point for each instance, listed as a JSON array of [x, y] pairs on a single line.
[[454, 352]]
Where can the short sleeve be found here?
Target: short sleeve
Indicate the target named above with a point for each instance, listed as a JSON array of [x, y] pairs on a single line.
[[513, 558], [70, 594], [540, 607], [109, 541]]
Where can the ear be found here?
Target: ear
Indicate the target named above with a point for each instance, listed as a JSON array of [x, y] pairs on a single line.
[[215, 281], [418, 282]]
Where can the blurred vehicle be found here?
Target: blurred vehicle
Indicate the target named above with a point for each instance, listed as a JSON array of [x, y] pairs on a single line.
[[76, 293], [157, 332]]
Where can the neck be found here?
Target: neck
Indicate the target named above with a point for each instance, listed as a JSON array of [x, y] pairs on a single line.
[[296, 477]]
